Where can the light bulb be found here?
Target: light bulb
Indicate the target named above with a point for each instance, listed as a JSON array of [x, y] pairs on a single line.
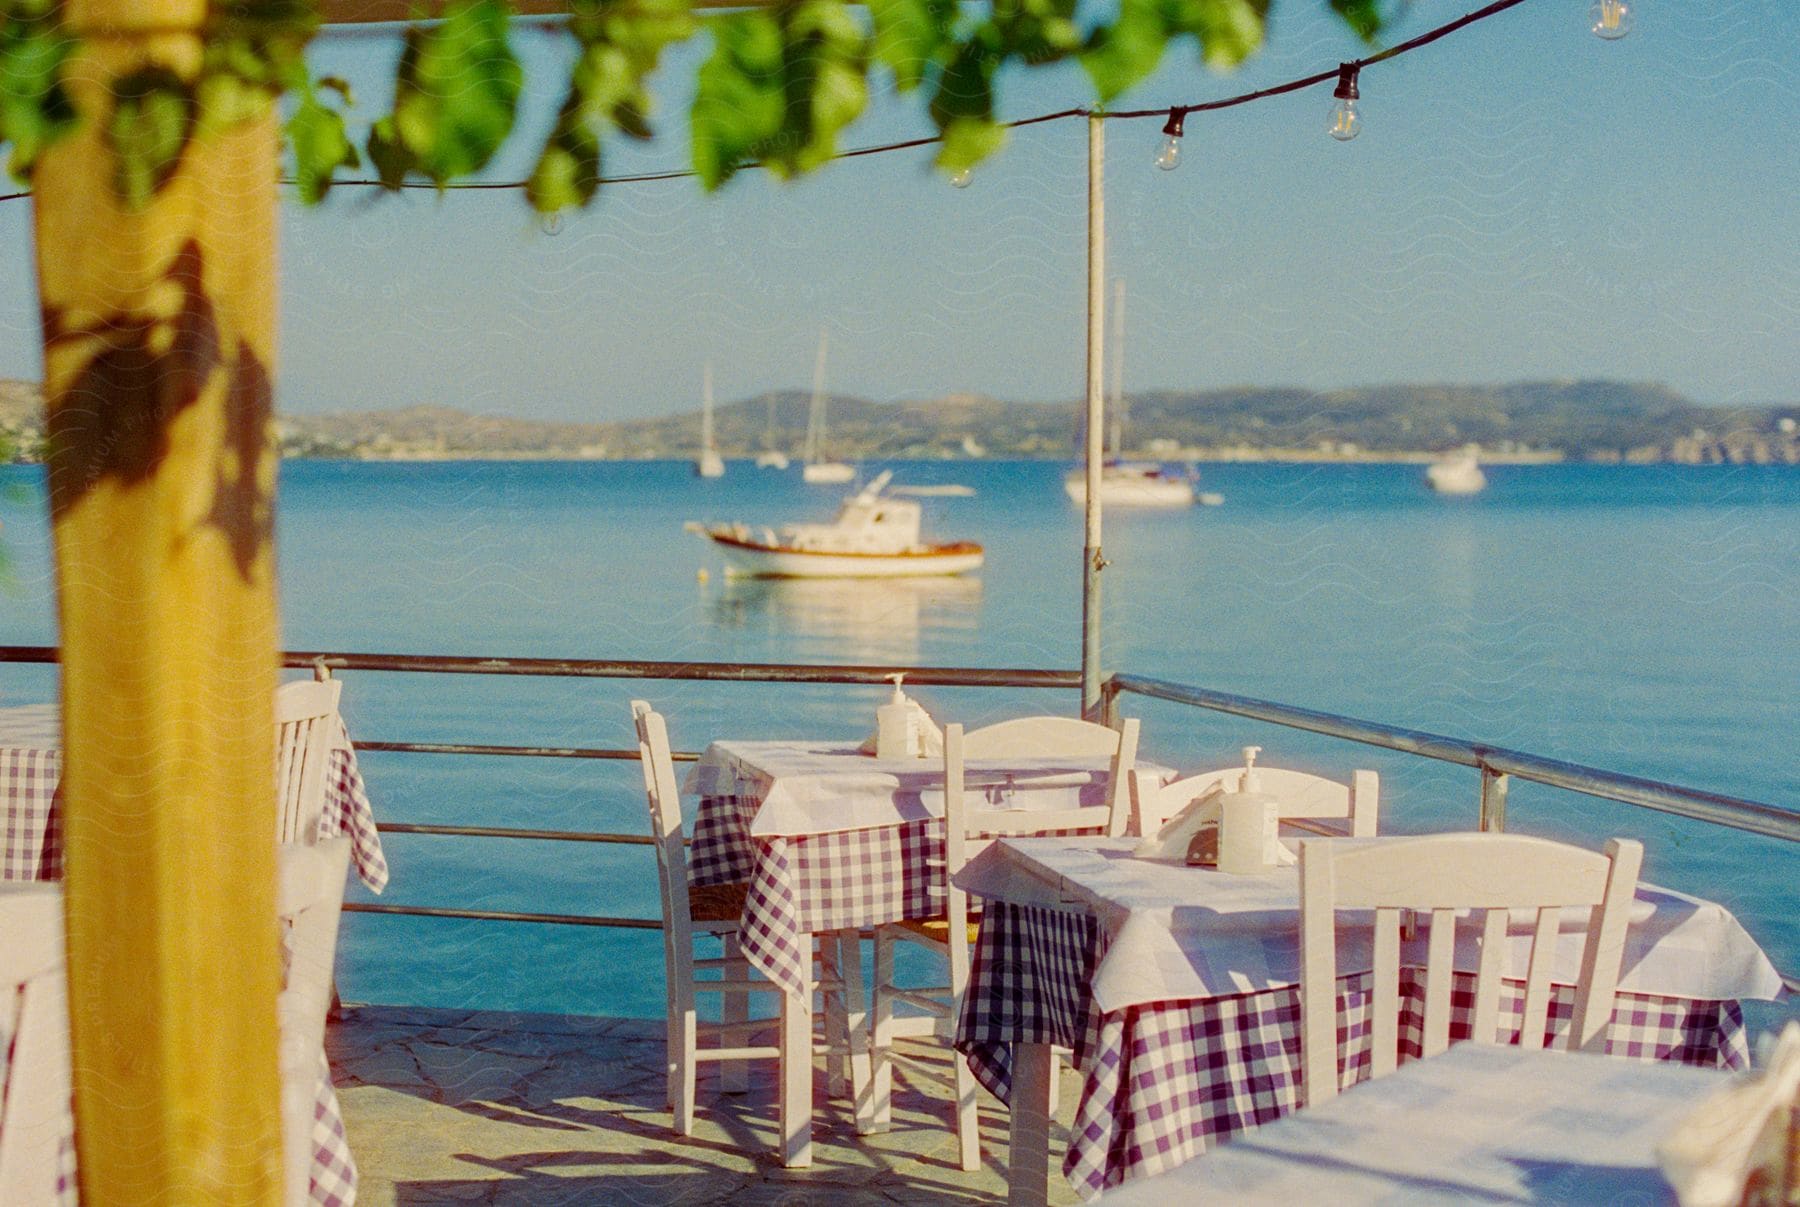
[[1168, 153], [961, 178], [1610, 19], [1346, 122], [551, 223]]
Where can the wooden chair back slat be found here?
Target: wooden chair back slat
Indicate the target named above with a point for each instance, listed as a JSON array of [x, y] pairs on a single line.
[[1444, 876], [1302, 797], [306, 725]]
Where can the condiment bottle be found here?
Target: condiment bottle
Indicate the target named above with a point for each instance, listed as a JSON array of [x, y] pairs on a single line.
[[1248, 820], [894, 726]]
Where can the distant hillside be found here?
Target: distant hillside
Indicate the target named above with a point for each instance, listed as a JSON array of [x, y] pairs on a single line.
[[1576, 420]]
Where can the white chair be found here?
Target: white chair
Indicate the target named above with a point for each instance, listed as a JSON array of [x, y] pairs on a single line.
[[967, 830], [1442, 874], [34, 1021], [716, 911], [309, 900], [306, 728], [1306, 799]]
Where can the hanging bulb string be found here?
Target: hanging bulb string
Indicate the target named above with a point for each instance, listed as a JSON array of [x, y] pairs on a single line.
[[1171, 112], [1323, 77]]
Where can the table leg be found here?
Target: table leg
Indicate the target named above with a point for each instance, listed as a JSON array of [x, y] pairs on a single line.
[[856, 1020], [1028, 1172], [796, 1067], [878, 1117]]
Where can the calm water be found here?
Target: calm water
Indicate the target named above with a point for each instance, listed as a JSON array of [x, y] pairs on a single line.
[[1643, 619]]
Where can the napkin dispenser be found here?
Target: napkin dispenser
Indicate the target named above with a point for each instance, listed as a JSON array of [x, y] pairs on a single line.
[[1236, 832], [903, 729]]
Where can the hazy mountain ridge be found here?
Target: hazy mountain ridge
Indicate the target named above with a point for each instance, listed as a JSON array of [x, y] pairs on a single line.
[[1578, 420]]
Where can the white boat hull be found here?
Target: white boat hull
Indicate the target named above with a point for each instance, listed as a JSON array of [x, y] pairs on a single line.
[[755, 559], [1132, 490], [709, 465], [771, 460], [827, 473], [1461, 476]]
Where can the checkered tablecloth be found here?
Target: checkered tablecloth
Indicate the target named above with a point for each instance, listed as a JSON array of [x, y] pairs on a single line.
[[838, 877], [1161, 1081], [800, 886], [31, 767]]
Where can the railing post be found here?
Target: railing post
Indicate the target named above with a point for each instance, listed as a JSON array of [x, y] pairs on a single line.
[[1109, 703], [1092, 560], [1493, 800]]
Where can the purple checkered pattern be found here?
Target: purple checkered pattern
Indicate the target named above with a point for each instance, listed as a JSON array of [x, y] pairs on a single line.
[[347, 811], [331, 1182], [799, 886], [32, 817], [32, 824], [1162, 1081], [28, 779]]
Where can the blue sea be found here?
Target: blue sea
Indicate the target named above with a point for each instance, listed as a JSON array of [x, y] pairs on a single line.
[[1644, 619]]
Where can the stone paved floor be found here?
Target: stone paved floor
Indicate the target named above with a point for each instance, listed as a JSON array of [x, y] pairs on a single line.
[[458, 1107]]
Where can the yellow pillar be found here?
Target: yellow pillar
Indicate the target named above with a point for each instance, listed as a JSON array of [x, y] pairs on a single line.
[[158, 363]]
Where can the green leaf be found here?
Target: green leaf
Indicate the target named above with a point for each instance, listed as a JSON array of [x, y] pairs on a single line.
[[740, 98], [455, 95], [320, 147], [913, 37], [35, 111], [393, 161], [152, 116], [1362, 16], [1229, 31], [968, 141], [1119, 57]]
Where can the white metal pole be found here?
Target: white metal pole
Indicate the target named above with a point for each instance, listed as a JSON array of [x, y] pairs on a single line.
[[1092, 561]]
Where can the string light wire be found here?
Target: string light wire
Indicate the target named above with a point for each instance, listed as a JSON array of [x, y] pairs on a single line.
[[1169, 112]]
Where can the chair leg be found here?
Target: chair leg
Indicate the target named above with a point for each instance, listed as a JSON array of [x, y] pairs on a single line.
[[1059, 1057], [837, 1081], [879, 1116], [684, 1090], [856, 1021], [734, 1075], [968, 1123], [796, 1070]]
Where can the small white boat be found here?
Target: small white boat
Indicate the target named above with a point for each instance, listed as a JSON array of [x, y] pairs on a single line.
[[817, 469], [1135, 484], [707, 463], [1130, 483], [771, 457], [872, 536], [1456, 474]]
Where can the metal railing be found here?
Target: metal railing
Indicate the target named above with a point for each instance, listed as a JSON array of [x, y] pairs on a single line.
[[1495, 764]]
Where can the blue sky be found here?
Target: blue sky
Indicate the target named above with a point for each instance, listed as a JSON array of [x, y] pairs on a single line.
[[1525, 201]]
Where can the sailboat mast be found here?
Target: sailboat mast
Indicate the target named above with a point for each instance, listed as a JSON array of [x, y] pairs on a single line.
[[815, 416], [706, 408], [1115, 436]]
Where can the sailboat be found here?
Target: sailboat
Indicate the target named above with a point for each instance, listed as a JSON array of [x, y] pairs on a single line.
[[1130, 483], [707, 463], [771, 457], [817, 469]]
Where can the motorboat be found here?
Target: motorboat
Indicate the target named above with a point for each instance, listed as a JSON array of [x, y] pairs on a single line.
[[1456, 474], [817, 468], [872, 536], [1136, 484], [707, 463]]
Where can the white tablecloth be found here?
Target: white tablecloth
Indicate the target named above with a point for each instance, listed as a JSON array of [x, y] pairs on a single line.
[[1478, 1123], [822, 787], [1183, 932]]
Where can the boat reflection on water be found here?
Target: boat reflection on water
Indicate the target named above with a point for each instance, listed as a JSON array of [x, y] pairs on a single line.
[[875, 619]]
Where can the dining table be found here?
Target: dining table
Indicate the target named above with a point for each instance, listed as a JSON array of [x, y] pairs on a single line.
[[1177, 988], [1477, 1123], [31, 827], [833, 841]]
